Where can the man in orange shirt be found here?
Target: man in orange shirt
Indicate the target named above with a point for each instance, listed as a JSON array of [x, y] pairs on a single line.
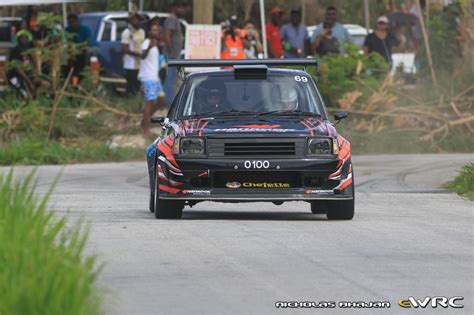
[[275, 49]]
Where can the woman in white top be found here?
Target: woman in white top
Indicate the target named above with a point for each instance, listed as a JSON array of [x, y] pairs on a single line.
[[148, 75]]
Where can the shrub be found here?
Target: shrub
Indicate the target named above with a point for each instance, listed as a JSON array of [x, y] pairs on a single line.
[[339, 74], [463, 184]]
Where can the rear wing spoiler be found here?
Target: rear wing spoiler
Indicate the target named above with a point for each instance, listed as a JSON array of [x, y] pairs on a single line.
[[206, 63]]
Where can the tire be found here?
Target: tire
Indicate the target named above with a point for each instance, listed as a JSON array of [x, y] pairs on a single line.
[[152, 201], [318, 207], [341, 209], [152, 191], [167, 209]]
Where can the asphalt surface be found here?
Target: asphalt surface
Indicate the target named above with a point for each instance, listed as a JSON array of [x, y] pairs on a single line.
[[409, 237]]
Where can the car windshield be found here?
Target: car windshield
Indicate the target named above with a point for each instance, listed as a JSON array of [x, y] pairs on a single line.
[[224, 94]]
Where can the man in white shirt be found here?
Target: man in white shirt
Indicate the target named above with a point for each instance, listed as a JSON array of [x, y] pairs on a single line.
[[148, 75], [132, 39]]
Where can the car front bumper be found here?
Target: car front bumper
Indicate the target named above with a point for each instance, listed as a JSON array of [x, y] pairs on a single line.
[[230, 180]]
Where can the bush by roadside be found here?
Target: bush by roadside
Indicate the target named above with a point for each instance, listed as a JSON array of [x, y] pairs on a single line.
[[43, 268], [463, 184]]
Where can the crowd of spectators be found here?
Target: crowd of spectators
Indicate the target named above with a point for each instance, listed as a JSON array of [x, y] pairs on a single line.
[[291, 40], [144, 45]]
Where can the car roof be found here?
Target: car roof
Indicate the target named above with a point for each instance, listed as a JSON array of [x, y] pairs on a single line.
[[124, 13]]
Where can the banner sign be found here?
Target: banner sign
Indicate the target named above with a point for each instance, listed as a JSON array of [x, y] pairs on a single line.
[[202, 41]]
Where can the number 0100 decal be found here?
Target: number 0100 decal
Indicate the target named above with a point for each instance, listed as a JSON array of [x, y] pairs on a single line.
[[256, 164], [300, 78]]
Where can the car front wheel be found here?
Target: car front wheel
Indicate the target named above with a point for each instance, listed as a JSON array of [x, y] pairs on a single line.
[[341, 209], [167, 209]]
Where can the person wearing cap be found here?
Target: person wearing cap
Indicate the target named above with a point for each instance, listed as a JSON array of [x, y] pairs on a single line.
[[381, 41], [174, 41], [275, 49], [132, 39], [336, 30], [294, 36], [20, 73], [233, 43]]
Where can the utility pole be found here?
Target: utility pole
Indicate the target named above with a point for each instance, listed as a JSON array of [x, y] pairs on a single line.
[[264, 30], [427, 44], [303, 12], [367, 15], [203, 11]]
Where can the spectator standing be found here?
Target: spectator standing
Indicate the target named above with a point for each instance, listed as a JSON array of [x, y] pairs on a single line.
[[233, 43], [161, 47], [30, 21], [337, 29], [275, 49], [132, 39], [381, 41], [252, 36], [173, 37], [148, 75], [80, 35], [294, 36], [325, 42]]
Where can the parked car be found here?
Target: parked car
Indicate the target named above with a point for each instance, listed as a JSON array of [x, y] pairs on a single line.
[[106, 29]]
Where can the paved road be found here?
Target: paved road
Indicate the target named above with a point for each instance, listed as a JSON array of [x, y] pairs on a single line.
[[408, 238]]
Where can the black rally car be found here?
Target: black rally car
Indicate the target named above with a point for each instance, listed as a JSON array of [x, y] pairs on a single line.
[[249, 132]]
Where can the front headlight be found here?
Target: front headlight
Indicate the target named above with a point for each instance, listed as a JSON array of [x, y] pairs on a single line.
[[321, 146], [192, 146]]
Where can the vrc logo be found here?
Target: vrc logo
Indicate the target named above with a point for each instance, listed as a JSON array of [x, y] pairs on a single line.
[[434, 302]]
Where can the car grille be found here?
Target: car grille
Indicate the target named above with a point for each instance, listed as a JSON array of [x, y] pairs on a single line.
[[256, 147], [259, 149]]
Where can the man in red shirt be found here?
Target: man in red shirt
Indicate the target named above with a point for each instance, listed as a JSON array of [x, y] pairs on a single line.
[[275, 49]]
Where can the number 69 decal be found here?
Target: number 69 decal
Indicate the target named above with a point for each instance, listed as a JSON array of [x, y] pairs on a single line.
[[300, 78]]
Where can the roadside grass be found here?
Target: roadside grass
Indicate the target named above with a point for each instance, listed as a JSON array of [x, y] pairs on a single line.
[[43, 267], [81, 132], [36, 152], [463, 184], [403, 142]]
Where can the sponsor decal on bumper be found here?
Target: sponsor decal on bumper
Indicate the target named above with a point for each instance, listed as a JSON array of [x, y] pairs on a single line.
[[257, 185]]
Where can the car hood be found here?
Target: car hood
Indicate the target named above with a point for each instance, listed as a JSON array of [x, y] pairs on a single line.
[[302, 126]]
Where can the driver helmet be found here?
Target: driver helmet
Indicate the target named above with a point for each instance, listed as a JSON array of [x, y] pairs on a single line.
[[288, 99], [212, 92]]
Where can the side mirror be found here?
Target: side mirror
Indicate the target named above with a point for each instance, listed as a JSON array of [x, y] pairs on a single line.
[[157, 120], [339, 116]]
